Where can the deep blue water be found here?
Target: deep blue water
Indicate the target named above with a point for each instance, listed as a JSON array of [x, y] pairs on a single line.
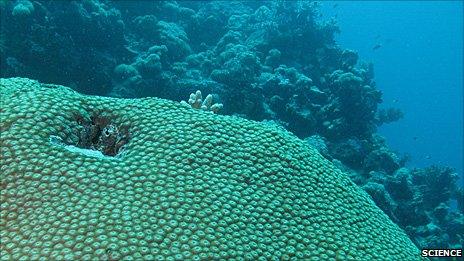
[[418, 68]]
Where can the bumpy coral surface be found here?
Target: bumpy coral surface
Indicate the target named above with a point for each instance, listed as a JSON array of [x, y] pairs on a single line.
[[187, 184]]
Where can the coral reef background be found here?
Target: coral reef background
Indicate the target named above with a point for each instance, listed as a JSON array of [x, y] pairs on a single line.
[[267, 61], [419, 68]]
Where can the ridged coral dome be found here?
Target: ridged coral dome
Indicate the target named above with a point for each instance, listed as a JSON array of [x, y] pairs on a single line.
[[87, 178]]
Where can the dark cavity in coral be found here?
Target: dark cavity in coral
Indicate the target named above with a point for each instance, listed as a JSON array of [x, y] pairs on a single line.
[[101, 134]]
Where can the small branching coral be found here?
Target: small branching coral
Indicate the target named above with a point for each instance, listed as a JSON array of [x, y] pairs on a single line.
[[196, 101]]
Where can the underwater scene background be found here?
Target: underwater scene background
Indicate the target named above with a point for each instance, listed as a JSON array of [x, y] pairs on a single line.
[[307, 67], [420, 52]]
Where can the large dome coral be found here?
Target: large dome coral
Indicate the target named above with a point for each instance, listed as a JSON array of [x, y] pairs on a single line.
[[87, 178]]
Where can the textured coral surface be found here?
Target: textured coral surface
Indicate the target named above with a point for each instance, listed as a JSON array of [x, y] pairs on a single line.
[[187, 185]]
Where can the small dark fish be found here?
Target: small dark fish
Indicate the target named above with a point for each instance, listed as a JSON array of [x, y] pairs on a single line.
[[377, 46], [415, 138], [395, 101]]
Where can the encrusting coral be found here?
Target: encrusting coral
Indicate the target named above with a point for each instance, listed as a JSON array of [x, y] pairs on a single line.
[[186, 185]]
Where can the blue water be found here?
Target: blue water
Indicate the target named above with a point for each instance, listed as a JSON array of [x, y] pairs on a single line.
[[418, 68]]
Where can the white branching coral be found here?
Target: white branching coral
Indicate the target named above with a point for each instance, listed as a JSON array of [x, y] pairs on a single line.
[[196, 101]]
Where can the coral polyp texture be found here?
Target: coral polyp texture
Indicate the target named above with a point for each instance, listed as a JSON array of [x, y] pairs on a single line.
[[184, 184]]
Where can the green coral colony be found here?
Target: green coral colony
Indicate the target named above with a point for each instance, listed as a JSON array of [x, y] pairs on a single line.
[[187, 184]]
